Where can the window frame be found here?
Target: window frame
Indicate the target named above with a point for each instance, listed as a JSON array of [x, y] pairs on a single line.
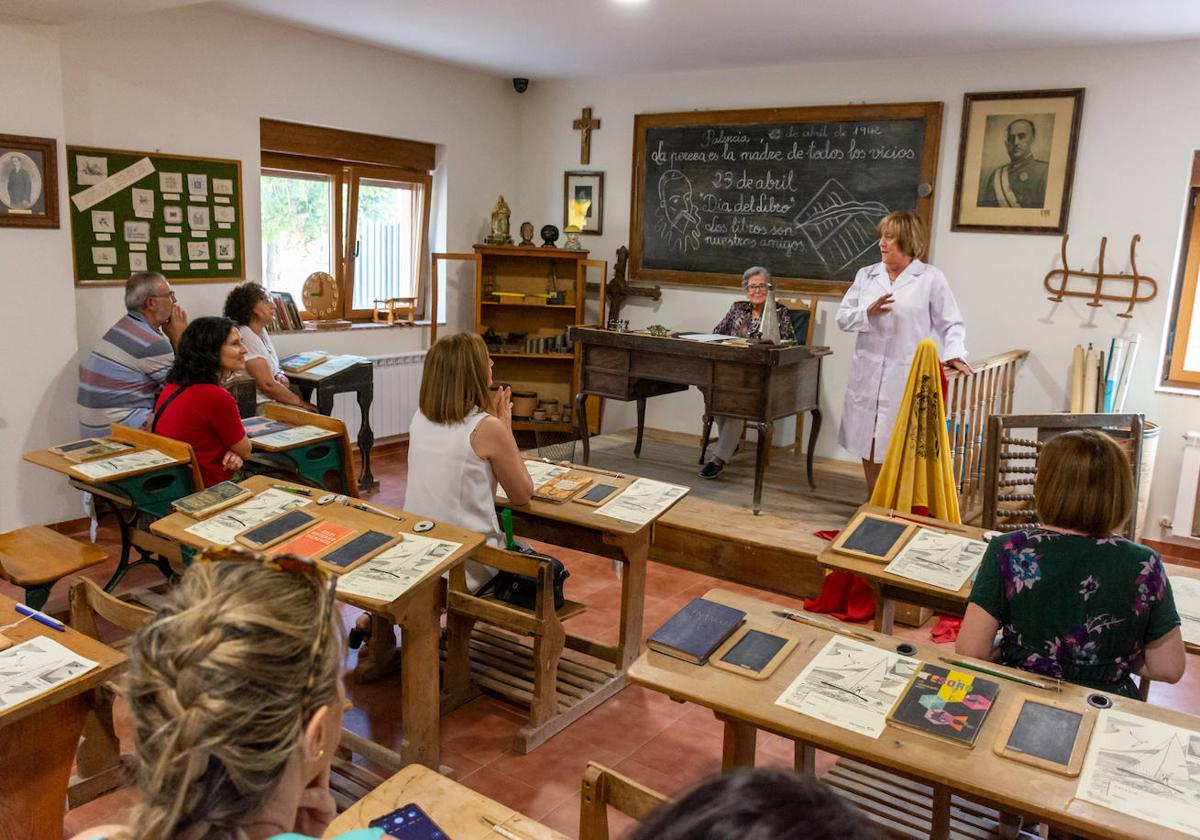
[[1183, 304]]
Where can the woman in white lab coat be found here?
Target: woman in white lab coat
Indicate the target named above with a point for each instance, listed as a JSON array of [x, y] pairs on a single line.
[[893, 305]]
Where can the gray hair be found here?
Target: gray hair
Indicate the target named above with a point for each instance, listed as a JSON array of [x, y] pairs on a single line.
[[755, 271], [139, 288]]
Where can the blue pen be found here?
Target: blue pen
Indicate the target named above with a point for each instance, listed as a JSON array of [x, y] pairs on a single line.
[[41, 617]]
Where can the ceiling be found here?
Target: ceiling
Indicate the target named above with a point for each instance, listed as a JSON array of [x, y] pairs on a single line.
[[543, 39]]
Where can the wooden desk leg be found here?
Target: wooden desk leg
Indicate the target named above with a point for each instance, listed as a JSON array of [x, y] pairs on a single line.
[[636, 551], [806, 759], [366, 438], [765, 431], [939, 819], [581, 421], [739, 744], [641, 412], [36, 753], [706, 437], [885, 613], [420, 658], [814, 430], [380, 657]]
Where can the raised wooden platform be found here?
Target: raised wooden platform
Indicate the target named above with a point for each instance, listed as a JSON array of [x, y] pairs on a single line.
[[714, 531]]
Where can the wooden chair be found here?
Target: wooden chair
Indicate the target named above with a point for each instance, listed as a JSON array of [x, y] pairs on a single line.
[[36, 557], [557, 688], [603, 787], [804, 322], [332, 477]]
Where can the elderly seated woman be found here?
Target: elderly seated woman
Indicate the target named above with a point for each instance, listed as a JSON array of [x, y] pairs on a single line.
[[744, 320]]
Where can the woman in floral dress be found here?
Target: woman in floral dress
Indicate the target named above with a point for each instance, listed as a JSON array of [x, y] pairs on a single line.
[[1070, 598]]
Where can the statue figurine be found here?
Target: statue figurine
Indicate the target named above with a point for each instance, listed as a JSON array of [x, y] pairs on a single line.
[[572, 232], [500, 214], [527, 235]]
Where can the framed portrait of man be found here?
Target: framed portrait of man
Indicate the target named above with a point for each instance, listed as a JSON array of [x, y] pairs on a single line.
[[1016, 161], [583, 201], [28, 181]]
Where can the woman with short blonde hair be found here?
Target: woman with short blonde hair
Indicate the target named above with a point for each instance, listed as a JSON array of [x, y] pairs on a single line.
[[456, 379], [1073, 599]]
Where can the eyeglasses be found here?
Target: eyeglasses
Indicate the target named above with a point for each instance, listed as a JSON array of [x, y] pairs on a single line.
[[170, 295], [296, 565], [757, 287]]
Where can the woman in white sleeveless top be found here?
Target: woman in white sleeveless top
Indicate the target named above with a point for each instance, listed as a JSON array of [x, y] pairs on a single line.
[[461, 443]]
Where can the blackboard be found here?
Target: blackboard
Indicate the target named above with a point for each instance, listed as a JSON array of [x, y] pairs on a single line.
[[1045, 732], [873, 537], [798, 190], [754, 650], [145, 211]]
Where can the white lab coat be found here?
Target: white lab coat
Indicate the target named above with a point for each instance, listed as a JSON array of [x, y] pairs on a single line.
[[922, 307]]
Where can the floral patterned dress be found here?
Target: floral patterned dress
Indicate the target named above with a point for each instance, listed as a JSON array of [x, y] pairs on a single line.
[[740, 322], [1076, 608]]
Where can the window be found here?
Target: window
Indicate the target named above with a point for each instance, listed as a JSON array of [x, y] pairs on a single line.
[[1181, 365], [353, 205]]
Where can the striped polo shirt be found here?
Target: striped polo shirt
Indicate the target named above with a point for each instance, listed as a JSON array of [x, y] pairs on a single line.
[[123, 375]]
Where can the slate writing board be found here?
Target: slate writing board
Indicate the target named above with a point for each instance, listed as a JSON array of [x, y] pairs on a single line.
[[873, 537], [357, 548], [1045, 732], [599, 493], [754, 650], [276, 528], [799, 190]]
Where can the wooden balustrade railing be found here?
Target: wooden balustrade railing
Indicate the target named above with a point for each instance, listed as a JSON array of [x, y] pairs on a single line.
[[970, 401]]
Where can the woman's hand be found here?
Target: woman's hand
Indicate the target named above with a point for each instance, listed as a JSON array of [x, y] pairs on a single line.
[[232, 462], [317, 807], [502, 405], [958, 365], [882, 304]]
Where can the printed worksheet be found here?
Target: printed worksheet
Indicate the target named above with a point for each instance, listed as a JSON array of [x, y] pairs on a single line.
[[1144, 768], [226, 524], [1187, 601], [292, 436], [850, 684], [643, 501], [391, 573], [35, 667], [939, 559], [109, 467]]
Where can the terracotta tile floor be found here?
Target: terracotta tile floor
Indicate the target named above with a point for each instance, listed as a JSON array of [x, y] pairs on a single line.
[[666, 745]]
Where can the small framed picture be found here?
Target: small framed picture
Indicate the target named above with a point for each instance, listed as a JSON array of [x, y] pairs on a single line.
[[168, 250], [583, 201], [198, 218], [225, 249], [197, 184], [222, 186], [1016, 161], [137, 261], [197, 250], [103, 221], [137, 231], [170, 182], [173, 214], [28, 181]]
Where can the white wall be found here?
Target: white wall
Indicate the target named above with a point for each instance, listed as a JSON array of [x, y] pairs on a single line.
[[37, 408], [1135, 153]]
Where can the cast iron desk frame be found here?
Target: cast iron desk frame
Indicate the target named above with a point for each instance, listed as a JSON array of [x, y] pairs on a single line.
[[359, 379], [758, 383]]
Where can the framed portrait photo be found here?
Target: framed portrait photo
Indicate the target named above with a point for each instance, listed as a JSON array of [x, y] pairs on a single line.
[[1016, 161], [28, 181], [583, 201]]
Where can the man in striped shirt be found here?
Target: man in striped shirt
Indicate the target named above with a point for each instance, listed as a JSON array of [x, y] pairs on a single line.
[[122, 377]]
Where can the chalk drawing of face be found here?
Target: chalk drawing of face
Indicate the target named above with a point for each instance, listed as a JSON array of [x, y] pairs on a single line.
[[678, 220]]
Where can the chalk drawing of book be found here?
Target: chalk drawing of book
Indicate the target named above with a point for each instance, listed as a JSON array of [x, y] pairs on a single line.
[[839, 228]]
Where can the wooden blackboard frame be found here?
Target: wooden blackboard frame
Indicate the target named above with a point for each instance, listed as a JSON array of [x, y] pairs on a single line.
[[83, 236], [930, 112]]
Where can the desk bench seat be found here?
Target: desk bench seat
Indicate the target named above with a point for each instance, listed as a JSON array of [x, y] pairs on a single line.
[[35, 557]]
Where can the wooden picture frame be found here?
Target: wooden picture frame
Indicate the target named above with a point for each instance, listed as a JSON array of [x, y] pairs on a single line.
[[769, 667], [898, 535], [1016, 161], [583, 201], [28, 181], [1083, 735]]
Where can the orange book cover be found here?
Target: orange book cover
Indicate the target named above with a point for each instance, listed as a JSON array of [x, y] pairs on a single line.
[[315, 540]]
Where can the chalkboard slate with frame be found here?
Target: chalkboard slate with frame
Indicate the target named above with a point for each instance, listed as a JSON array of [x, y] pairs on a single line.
[[798, 190], [125, 211], [873, 537], [1046, 734]]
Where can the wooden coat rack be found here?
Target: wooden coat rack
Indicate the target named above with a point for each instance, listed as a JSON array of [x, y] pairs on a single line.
[[1098, 277]]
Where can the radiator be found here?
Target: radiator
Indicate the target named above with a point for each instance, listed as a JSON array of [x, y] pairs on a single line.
[[1187, 500], [397, 386]]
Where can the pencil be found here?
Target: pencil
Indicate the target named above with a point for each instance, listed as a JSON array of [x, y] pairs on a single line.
[[960, 663], [502, 831], [832, 627], [585, 469]]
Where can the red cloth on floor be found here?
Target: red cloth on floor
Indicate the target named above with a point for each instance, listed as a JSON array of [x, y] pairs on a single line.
[[845, 596], [946, 630]]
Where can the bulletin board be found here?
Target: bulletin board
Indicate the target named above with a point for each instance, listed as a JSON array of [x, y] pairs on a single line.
[[143, 211]]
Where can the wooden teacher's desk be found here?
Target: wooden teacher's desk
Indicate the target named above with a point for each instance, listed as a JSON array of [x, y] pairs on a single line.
[[978, 774], [417, 612], [890, 588], [459, 811], [759, 383], [38, 737]]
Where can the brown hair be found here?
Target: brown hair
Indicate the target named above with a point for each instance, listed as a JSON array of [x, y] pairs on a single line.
[[455, 378], [909, 231], [1084, 482], [218, 688]]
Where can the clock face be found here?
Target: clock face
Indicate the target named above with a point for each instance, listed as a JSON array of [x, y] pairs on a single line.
[[320, 295]]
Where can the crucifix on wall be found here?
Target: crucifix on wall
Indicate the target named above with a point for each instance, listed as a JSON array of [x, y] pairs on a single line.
[[585, 124]]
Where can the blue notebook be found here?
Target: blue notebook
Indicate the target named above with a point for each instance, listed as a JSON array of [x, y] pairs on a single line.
[[693, 633]]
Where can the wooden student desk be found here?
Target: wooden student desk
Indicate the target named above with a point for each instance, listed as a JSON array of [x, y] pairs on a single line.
[[38, 738], [890, 588], [457, 809], [135, 496], [1173, 571], [758, 383], [978, 774], [417, 611], [323, 461]]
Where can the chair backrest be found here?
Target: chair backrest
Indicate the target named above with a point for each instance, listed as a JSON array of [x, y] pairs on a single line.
[[300, 417], [804, 318], [89, 601], [603, 787], [1014, 442]]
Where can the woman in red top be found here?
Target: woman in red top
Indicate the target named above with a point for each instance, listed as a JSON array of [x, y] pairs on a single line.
[[194, 408]]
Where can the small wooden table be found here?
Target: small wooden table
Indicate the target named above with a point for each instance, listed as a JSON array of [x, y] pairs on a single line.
[[357, 378], [323, 461], [38, 738], [759, 384], [746, 706], [458, 810], [891, 588], [417, 611]]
